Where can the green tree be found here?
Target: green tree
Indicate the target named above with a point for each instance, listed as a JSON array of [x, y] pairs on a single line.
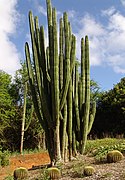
[[27, 117], [110, 117], [95, 90], [7, 109], [11, 113]]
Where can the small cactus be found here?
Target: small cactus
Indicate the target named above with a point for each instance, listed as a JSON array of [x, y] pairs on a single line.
[[88, 170], [114, 156], [54, 173], [20, 173]]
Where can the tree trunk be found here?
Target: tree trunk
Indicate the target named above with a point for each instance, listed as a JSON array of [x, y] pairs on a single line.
[[23, 119]]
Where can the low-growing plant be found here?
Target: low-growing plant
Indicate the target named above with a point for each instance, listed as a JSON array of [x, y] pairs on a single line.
[[8, 177], [114, 156], [106, 175], [100, 147], [93, 145], [4, 158]]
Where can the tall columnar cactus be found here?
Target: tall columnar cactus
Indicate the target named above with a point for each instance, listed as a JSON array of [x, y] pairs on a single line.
[[87, 95], [84, 109], [61, 97]]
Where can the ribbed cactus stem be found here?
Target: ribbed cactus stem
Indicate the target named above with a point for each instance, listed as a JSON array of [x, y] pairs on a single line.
[[70, 36], [68, 71], [31, 80], [42, 60], [55, 86], [35, 54], [74, 143], [92, 116], [37, 36], [55, 72], [49, 12], [66, 62], [87, 96], [48, 60], [69, 109], [82, 72], [76, 97], [63, 142], [61, 53], [50, 29], [30, 118]]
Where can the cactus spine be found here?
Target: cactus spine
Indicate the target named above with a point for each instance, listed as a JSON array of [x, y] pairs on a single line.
[[55, 85]]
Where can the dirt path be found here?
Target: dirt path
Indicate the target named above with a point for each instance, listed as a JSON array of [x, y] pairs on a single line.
[[27, 160]]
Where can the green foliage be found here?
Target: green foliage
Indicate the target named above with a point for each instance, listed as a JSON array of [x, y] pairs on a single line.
[[9, 177], [110, 116], [100, 147], [11, 101], [4, 158], [8, 113], [114, 156], [20, 174], [7, 110], [88, 170], [95, 92], [44, 174]]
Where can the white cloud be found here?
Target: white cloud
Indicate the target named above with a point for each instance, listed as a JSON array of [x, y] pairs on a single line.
[[71, 13], [95, 32], [109, 11], [107, 45], [42, 10], [9, 57], [123, 2], [91, 27]]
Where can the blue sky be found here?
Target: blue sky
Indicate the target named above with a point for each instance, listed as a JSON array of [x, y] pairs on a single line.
[[102, 20]]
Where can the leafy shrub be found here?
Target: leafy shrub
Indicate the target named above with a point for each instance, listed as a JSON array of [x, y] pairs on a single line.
[[101, 152], [100, 147], [4, 158], [94, 144]]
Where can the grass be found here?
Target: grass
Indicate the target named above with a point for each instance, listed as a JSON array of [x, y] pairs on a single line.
[[106, 175], [28, 151], [9, 177]]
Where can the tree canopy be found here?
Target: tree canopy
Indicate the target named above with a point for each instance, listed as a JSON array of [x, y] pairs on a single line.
[[110, 117]]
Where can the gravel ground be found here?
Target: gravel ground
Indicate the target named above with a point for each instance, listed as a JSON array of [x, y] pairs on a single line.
[[74, 170], [106, 171]]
